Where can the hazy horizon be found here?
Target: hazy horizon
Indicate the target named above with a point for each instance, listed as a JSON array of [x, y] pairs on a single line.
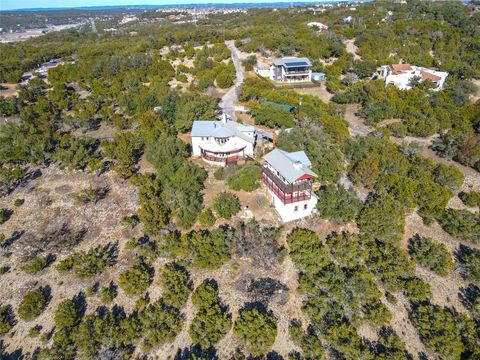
[[35, 4]]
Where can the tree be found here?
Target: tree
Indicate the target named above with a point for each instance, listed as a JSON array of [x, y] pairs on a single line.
[[35, 265], [226, 205], [256, 330], [449, 176], [7, 319], [176, 285], [461, 223], [136, 279], [32, 304], [273, 116], [471, 198], [245, 178], [337, 203], [206, 218], [67, 314], [432, 255], [383, 218]]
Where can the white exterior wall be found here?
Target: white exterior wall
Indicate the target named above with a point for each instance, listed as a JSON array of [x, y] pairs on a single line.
[[287, 211], [233, 143]]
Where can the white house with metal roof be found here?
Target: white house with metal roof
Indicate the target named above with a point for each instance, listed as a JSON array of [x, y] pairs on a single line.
[[291, 69], [288, 178], [222, 142]]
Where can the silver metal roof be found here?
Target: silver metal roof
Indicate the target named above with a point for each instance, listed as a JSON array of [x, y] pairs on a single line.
[[295, 61], [290, 165], [220, 129]]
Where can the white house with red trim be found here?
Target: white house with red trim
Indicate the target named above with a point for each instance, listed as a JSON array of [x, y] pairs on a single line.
[[222, 142], [401, 75], [288, 178]]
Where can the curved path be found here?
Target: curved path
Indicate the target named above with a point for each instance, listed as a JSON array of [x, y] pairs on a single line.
[[231, 96]]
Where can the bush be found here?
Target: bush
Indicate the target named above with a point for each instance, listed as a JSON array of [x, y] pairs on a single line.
[[35, 265], [309, 343], [211, 322], [462, 224], [226, 205], [449, 176], [206, 218], [7, 319], [108, 293], [432, 255], [32, 304], [136, 279], [398, 129], [90, 263], [34, 331], [91, 195], [246, 178], [471, 261], [4, 215], [471, 198], [417, 290], [18, 202], [67, 314], [255, 330], [273, 116], [337, 203], [176, 285]]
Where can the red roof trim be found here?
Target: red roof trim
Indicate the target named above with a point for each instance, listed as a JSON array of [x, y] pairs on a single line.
[[304, 176]]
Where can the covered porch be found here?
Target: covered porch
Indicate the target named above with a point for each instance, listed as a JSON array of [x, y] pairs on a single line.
[[223, 158]]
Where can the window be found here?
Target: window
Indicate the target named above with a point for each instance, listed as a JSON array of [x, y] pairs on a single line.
[[295, 208], [305, 206]]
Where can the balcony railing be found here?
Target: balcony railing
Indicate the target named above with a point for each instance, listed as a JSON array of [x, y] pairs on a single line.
[[286, 198], [219, 159], [295, 72], [286, 188]]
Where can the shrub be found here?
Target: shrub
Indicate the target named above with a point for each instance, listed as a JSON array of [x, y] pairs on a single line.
[[309, 343], [176, 285], [337, 204], [471, 261], [398, 129], [273, 116], [136, 279], [417, 290], [4, 215], [18, 202], [32, 304], [471, 198], [91, 195], [108, 293], [462, 224], [34, 331], [90, 263], [67, 314], [431, 255], [449, 176], [206, 218], [131, 221], [246, 178], [7, 319], [256, 330], [35, 265], [226, 205]]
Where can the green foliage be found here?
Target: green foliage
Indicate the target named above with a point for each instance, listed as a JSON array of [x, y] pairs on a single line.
[[108, 293], [449, 176], [322, 150], [273, 116], [470, 259], [307, 250], [226, 205], [462, 224], [245, 178], [432, 255], [439, 330], [90, 263], [398, 130], [34, 331], [176, 285], [383, 218], [136, 279], [7, 319], [18, 202], [4, 215], [307, 341], [417, 290], [67, 314], [126, 149], [91, 195], [32, 304], [75, 153], [206, 218], [211, 322], [471, 198], [337, 203], [256, 330], [35, 265]]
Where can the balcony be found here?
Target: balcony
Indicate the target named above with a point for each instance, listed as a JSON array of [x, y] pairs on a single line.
[[296, 72], [286, 198], [220, 159], [286, 188]]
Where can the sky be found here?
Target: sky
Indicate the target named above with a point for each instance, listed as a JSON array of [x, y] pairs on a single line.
[[25, 4]]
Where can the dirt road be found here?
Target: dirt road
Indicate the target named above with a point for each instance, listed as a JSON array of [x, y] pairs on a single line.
[[231, 96]]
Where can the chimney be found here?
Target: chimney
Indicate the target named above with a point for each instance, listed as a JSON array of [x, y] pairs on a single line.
[[297, 164]]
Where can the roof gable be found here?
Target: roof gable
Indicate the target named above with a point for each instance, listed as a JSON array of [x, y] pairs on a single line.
[[292, 166]]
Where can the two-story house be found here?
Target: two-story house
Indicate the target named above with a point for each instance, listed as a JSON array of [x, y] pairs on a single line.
[[291, 69], [288, 178], [222, 142]]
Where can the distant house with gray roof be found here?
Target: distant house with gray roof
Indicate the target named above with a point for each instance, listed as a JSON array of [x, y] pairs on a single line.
[[222, 142], [291, 69], [289, 178]]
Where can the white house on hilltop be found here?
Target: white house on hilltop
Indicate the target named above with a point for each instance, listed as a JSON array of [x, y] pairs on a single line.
[[317, 24], [401, 75], [288, 178], [291, 69], [222, 142]]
